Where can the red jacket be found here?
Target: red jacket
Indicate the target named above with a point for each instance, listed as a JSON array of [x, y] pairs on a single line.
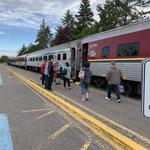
[[43, 68]]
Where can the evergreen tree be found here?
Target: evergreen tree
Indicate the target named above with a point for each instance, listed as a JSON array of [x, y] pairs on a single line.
[[117, 13], [3, 59], [68, 25], [93, 29], [31, 48], [62, 35], [68, 19], [43, 37], [84, 17], [22, 50]]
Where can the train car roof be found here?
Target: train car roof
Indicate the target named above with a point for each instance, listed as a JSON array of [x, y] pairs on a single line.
[[134, 27], [55, 48]]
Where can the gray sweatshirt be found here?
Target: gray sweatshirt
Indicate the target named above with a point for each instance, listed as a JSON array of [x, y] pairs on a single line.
[[114, 75]]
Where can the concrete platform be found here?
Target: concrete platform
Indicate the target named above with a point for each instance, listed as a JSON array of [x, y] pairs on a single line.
[[125, 117], [38, 124]]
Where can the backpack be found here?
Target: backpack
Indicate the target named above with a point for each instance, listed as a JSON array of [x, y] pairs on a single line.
[[64, 72], [82, 74]]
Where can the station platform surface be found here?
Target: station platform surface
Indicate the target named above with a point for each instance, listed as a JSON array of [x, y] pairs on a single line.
[[126, 117], [30, 122]]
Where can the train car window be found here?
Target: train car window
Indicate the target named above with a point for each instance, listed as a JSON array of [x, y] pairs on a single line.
[[59, 57], [64, 56], [40, 58], [128, 50], [50, 57], [45, 57], [36, 58], [105, 52], [33, 59]]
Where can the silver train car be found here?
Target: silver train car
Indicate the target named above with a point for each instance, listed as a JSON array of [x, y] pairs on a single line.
[[68, 52], [127, 45]]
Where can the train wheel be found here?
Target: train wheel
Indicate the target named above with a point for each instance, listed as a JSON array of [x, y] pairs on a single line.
[[100, 83], [127, 88], [139, 89]]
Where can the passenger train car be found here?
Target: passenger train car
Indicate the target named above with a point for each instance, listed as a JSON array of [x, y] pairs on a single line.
[[68, 52], [19, 61], [127, 45]]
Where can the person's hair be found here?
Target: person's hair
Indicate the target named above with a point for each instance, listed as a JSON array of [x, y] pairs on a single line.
[[86, 64], [67, 64], [113, 63]]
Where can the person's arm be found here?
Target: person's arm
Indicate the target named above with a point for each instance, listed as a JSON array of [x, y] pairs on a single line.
[[121, 75], [108, 75]]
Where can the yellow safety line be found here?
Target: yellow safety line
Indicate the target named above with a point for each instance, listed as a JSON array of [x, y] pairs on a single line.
[[57, 133], [106, 119], [117, 59], [118, 140], [45, 115], [86, 145]]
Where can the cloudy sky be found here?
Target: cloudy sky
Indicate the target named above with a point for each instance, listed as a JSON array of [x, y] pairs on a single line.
[[20, 20]]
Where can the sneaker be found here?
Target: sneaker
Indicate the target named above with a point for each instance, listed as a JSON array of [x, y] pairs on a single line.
[[69, 88], [83, 99], [118, 101], [107, 98]]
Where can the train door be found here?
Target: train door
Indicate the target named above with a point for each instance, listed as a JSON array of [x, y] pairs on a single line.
[[84, 53], [73, 62]]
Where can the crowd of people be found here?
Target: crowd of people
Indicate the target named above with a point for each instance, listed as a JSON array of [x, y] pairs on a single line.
[[53, 72]]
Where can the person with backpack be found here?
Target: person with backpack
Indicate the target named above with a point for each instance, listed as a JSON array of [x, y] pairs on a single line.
[[85, 75], [66, 75], [113, 77]]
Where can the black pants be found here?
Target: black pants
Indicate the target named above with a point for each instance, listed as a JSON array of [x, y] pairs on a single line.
[[116, 88], [48, 82], [43, 79], [66, 80]]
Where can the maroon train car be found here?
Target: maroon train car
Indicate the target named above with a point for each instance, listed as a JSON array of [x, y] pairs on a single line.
[[127, 45]]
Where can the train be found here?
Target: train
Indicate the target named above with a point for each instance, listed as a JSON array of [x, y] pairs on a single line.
[[127, 45]]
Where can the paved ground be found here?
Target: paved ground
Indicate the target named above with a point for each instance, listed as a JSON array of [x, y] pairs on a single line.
[[128, 113], [37, 124]]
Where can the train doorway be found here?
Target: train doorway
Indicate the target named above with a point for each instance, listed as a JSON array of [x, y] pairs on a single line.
[[84, 53], [73, 62]]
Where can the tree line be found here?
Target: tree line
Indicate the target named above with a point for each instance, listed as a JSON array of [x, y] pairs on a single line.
[[112, 14]]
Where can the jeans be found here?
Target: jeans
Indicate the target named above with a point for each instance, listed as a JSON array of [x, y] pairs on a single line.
[[116, 88], [84, 87]]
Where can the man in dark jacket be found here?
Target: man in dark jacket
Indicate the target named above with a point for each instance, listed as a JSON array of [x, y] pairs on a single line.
[[113, 76], [50, 75]]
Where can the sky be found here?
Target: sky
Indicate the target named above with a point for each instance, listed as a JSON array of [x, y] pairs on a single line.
[[20, 20]]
